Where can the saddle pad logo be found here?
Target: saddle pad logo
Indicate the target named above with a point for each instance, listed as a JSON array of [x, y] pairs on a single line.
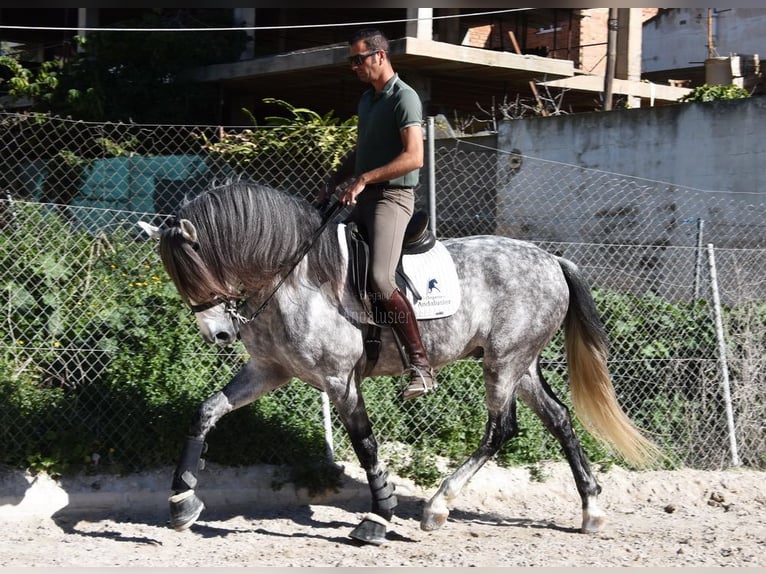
[[433, 276]]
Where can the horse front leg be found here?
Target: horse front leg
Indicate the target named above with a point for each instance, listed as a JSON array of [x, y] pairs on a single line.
[[352, 413], [247, 385]]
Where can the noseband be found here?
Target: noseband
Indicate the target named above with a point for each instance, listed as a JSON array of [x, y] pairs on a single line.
[[231, 307]]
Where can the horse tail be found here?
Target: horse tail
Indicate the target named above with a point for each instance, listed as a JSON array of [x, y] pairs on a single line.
[[593, 396]]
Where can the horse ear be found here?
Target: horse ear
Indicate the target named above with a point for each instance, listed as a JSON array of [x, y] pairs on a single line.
[[188, 231], [151, 230]]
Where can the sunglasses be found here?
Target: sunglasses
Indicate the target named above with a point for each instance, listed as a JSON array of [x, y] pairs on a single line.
[[358, 59]]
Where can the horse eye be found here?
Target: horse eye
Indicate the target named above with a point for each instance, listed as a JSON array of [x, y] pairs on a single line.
[[195, 246]]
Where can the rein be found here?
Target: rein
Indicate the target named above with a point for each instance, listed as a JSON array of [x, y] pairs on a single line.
[[232, 305]]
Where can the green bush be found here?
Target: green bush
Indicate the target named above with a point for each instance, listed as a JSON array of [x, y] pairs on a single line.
[[268, 155], [715, 92], [103, 363], [102, 359]]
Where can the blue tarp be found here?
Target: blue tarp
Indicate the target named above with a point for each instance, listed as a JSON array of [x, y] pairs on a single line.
[[129, 183], [135, 184]]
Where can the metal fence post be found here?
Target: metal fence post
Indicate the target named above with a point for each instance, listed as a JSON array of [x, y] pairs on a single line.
[[698, 266], [430, 147], [722, 355], [327, 420]]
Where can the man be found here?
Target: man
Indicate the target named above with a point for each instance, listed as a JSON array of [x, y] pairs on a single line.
[[383, 171]]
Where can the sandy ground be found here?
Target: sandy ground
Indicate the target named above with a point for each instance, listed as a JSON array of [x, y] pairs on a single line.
[[502, 518]]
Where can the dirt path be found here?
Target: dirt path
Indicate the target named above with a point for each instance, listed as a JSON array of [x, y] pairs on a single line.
[[676, 518]]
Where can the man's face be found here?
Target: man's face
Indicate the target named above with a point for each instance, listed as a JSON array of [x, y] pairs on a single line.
[[363, 61]]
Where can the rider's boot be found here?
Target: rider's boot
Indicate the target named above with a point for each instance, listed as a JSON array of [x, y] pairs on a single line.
[[401, 316]]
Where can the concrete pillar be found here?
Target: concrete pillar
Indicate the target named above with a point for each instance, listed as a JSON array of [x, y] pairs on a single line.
[[246, 17], [86, 18], [628, 63], [419, 25], [423, 27]]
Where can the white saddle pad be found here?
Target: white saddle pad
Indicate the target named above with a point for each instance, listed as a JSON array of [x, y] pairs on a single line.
[[434, 277], [432, 274]]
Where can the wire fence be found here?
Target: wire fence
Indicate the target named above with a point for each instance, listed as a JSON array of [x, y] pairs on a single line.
[[81, 286]]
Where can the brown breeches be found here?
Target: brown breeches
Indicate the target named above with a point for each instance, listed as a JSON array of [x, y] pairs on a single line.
[[382, 215]]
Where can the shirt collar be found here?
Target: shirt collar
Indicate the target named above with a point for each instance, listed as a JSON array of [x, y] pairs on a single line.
[[387, 87]]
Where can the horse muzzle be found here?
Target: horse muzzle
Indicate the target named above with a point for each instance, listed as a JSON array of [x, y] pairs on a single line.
[[222, 337], [217, 326]]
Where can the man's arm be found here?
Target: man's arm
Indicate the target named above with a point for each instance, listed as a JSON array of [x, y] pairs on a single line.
[[411, 158]]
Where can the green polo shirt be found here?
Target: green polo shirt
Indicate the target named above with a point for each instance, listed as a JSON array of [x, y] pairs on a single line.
[[381, 117]]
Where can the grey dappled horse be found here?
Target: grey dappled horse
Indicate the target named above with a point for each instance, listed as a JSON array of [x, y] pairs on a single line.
[[237, 242]]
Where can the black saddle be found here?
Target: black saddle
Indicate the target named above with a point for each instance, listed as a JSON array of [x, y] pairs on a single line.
[[418, 237]]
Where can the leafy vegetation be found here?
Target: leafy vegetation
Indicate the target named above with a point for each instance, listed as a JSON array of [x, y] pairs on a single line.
[[266, 155], [102, 360], [105, 361], [714, 92]]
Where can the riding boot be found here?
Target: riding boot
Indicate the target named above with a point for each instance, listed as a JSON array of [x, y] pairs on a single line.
[[400, 315]]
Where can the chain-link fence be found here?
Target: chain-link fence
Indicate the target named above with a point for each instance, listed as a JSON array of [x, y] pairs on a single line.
[[81, 286]]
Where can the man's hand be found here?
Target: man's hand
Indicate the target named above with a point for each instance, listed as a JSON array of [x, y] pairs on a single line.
[[349, 194]]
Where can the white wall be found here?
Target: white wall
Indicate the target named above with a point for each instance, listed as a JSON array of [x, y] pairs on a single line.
[[678, 38], [707, 146], [634, 185]]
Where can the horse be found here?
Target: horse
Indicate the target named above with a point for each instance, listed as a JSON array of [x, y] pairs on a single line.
[[259, 264]]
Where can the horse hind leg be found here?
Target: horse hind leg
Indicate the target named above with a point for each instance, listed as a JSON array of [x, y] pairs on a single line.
[[501, 426], [537, 394]]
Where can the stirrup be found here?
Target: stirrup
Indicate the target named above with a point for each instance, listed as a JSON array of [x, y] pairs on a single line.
[[421, 381]]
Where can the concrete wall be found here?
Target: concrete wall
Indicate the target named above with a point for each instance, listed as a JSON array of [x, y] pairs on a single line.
[[707, 146], [642, 178]]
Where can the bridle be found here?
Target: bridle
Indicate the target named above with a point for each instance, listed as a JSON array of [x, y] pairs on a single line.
[[232, 305]]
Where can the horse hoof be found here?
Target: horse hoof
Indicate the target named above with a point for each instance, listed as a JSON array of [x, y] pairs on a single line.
[[592, 524], [433, 520], [371, 530], [185, 508]]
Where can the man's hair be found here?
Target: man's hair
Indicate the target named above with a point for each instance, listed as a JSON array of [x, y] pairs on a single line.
[[373, 38]]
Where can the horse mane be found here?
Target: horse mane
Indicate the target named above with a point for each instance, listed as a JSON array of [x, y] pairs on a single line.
[[248, 235]]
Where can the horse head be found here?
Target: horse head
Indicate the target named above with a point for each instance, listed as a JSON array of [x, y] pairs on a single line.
[[216, 316]]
